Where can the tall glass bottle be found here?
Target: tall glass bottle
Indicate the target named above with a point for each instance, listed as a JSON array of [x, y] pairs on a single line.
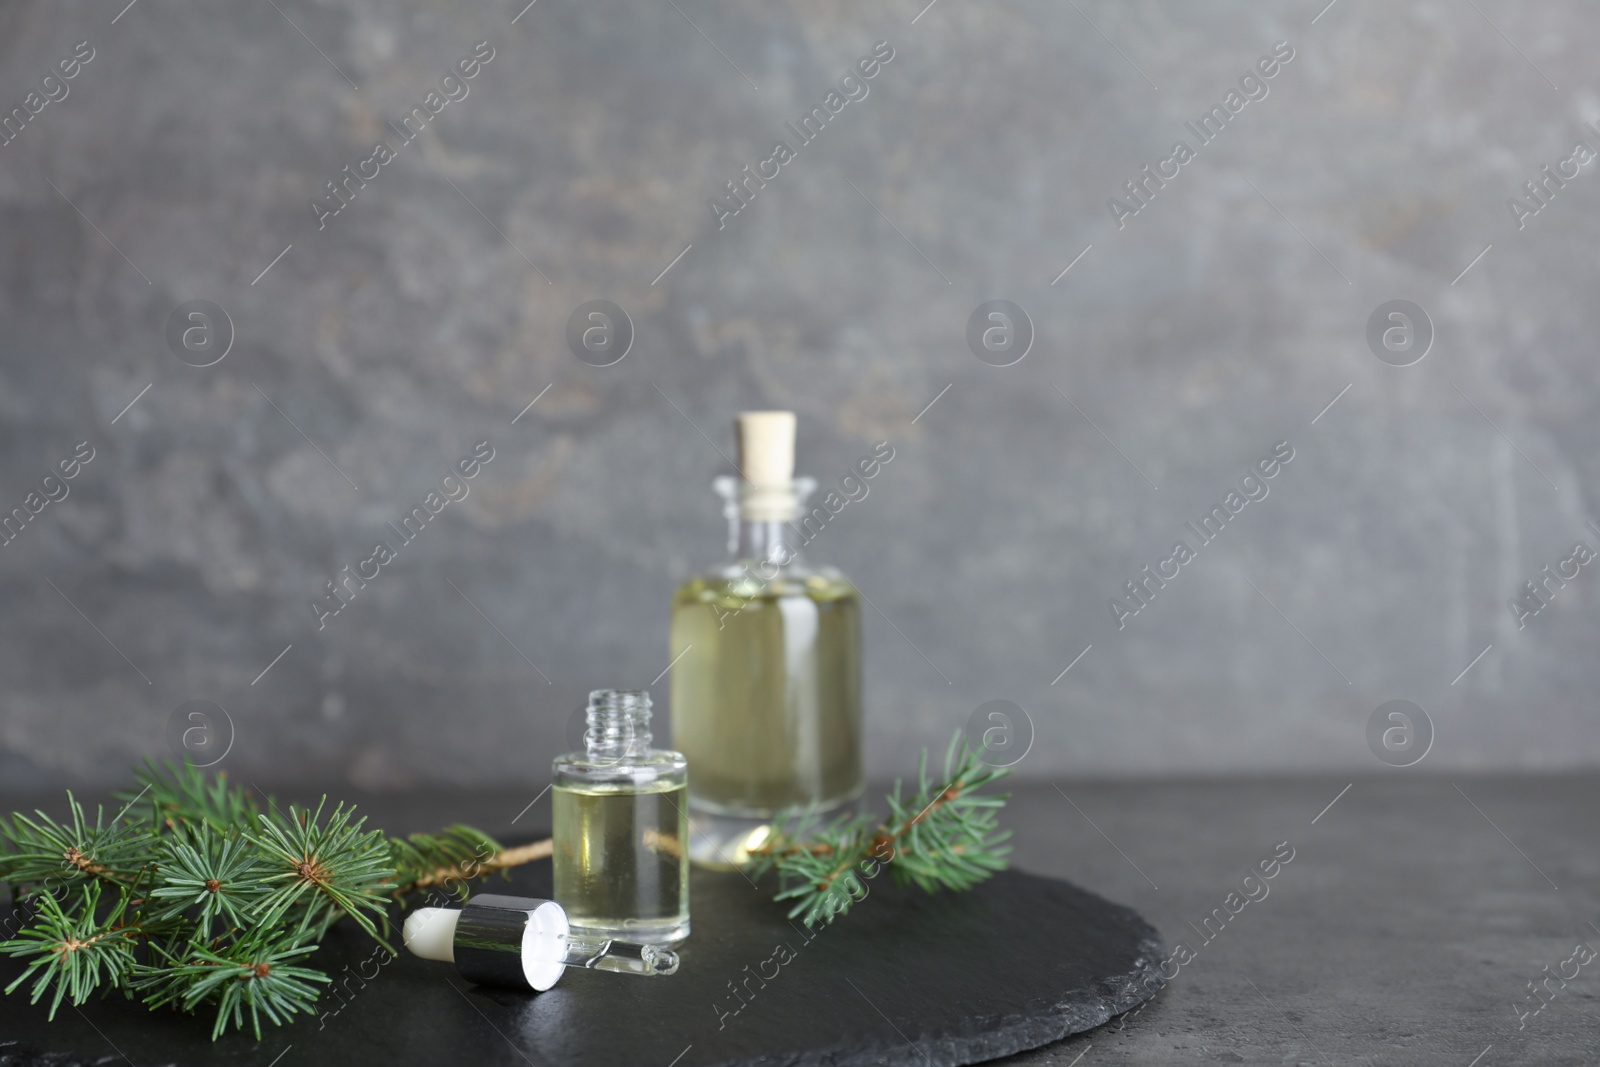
[[619, 821], [766, 700]]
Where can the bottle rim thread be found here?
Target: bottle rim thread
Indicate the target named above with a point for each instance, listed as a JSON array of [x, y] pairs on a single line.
[[619, 723]]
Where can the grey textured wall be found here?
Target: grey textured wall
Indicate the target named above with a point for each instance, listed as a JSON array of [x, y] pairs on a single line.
[[422, 318]]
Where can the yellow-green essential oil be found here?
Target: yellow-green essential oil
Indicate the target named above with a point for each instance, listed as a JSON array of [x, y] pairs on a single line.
[[620, 825], [767, 702]]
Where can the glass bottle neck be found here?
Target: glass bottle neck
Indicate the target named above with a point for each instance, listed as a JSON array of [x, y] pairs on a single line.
[[619, 724], [761, 522], [764, 540]]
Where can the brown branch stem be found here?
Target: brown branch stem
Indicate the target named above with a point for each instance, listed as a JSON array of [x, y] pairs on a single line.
[[458, 872], [883, 838]]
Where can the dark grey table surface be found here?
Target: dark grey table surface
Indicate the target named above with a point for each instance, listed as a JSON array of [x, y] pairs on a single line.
[[1405, 930]]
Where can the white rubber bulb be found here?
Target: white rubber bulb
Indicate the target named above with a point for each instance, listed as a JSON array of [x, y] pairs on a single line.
[[431, 933]]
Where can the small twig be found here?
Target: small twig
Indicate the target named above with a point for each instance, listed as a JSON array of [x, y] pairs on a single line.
[[881, 840], [516, 857], [943, 836], [511, 857], [815, 848]]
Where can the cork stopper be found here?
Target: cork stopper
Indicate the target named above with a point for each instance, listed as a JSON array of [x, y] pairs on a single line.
[[766, 460], [766, 447]]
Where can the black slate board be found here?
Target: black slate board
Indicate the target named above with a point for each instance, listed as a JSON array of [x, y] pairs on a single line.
[[905, 978]]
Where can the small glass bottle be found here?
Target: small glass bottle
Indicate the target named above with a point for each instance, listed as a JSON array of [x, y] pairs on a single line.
[[619, 822], [766, 701]]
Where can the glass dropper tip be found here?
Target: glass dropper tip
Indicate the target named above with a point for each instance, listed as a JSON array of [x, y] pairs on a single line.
[[620, 957]]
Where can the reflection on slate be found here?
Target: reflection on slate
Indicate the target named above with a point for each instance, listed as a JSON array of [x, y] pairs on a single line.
[[905, 979]]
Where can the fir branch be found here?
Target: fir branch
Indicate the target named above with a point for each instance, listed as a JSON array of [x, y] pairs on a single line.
[[42, 849], [944, 836], [256, 972], [328, 867], [189, 896], [213, 872], [72, 950], [453, 855], [180, 793]]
